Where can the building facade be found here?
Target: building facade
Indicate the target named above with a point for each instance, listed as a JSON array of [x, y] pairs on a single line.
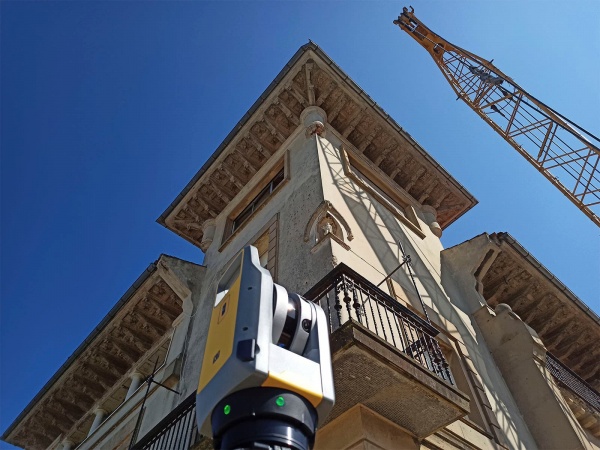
[[475, 346]]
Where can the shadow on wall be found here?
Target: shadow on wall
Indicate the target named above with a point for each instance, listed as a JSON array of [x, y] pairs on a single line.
[[373, 219]]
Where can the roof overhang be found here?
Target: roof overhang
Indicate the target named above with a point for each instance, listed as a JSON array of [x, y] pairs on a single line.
[[311, 78], [131, 333], [508, 273]]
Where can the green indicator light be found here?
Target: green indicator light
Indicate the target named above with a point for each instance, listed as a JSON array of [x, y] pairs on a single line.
[[280, 401], [227, 409]]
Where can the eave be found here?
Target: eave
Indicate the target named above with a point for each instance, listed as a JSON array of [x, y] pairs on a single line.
[[569, 329], [132, 331], [312, 78]]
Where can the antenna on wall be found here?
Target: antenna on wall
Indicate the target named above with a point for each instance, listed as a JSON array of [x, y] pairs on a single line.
[[149, 382], [408, 261]]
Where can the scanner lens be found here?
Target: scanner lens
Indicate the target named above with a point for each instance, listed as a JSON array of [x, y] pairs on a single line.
[[290, 325]]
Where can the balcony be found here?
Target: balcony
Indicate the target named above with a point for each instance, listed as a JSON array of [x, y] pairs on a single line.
[[177, 431], [385, 356], [583, 400]]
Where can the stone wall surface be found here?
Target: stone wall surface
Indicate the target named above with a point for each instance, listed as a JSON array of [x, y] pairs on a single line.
[[521, 357]]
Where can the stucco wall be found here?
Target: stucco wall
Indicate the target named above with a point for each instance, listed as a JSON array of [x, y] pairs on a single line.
[[298, 269], [374, 253]]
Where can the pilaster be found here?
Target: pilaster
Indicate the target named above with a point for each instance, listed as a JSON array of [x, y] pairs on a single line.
[[521, 357], [362, 428]]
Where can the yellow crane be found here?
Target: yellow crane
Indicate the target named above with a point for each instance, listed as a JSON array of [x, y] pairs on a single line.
[[565, 153]]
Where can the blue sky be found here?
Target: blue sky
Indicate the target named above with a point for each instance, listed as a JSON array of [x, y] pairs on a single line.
[[109, 108]]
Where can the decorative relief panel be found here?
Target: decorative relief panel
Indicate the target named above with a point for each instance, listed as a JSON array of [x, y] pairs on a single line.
[[327, 223]]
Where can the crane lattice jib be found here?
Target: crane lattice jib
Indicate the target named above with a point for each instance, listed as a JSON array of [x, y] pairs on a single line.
[[563, 152]]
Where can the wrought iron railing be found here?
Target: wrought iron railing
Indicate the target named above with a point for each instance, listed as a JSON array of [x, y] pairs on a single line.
[[177, 431], [570, 380], [346, 296]]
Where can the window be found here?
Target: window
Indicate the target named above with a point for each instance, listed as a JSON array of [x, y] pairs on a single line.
[[481, 417], [465, 376], [404, 295], [261, 193], [266, 242], [381, 187], [260, 199], [459, 371], [390, 204]]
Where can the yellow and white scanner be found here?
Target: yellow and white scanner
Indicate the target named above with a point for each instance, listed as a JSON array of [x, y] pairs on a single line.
[[274, 346]]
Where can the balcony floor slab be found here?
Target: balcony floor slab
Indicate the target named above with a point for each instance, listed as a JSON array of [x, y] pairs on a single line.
[[369, 371]]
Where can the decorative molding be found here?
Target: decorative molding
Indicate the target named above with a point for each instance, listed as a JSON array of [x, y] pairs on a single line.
[[327, 223], [430, 215], [326, 207], [314, 119], [399, 202], [317, 128], [310, 89], [324, 239]]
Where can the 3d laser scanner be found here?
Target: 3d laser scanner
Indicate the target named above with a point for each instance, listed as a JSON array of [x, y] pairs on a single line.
[[266, 379]]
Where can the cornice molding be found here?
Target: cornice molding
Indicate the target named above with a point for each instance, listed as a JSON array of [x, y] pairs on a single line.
[[90, 379], [568, 329], [311, 79]]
